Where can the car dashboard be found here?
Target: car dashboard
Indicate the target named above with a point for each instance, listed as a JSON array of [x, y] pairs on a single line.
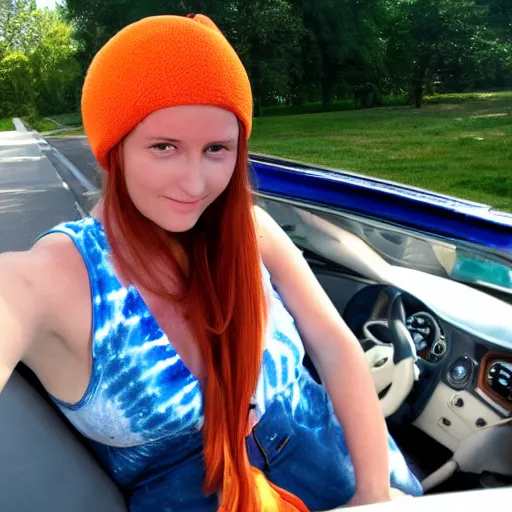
[[461, 334], [464, 380]]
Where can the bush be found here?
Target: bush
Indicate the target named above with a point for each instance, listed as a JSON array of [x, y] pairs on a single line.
[[6, 125], [16, 86], [40, 125]]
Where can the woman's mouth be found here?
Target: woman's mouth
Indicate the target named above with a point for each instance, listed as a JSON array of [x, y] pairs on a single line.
[[183, 206]]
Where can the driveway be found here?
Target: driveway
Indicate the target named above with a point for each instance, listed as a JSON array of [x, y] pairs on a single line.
[[33, 198]]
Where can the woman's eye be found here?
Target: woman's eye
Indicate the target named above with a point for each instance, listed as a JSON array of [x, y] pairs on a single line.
[[215, 148], [162, 147]]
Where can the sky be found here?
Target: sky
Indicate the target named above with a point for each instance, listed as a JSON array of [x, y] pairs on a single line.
[[46, 3]]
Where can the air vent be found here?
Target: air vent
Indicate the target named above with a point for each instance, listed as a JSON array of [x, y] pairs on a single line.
[[495, 378], [499, 379]]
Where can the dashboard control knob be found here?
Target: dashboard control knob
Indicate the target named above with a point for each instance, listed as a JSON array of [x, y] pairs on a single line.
[[459, 373]]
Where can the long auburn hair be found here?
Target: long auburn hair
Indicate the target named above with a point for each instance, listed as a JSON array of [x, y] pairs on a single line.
[[222, 292]]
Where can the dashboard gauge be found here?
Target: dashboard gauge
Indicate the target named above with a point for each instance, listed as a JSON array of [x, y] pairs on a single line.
[[427, 335]]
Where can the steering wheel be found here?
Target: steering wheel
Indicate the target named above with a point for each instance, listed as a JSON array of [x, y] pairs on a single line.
[[391, 355]]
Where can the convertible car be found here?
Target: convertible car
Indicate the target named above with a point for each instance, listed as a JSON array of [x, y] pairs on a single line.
[[425, 283]]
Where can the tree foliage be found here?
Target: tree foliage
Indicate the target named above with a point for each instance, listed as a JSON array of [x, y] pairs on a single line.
[[295, 51], [38, 72]]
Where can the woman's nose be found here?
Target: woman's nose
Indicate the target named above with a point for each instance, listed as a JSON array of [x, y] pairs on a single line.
[[193, 178]]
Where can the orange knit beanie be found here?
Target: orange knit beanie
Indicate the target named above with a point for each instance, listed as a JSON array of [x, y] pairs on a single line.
[[159, 62]]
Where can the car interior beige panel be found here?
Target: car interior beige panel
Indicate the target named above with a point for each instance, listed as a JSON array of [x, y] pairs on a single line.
[[487, 450], [481, 499], [473, 410], [490, 401], [449, 424]]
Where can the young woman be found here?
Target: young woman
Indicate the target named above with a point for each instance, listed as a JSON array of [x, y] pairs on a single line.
[[169, 326]]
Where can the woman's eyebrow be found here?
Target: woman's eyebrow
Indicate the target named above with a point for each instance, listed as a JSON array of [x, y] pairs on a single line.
[[226, 142], [162, 139]]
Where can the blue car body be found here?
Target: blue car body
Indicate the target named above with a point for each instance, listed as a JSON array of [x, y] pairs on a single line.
[[407, 206]]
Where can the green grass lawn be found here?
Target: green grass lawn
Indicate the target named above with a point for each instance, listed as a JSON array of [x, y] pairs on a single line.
[[461, 147], [78, 131], [458, 144], [40, 125], [387, 101], [74, 119], [6, 125]]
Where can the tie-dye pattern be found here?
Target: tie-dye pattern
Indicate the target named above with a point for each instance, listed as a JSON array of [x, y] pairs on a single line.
[[142, 409]]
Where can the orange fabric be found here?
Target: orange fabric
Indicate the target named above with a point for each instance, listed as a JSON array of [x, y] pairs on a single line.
[[158, 62], [273, 498]]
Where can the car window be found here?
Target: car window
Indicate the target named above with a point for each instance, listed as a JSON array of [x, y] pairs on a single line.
[[461, 261]]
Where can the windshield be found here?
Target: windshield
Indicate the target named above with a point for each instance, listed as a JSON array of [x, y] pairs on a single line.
[[478, 266]]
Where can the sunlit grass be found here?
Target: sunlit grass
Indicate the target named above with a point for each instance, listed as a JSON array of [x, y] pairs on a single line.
[[462, 149], [40, 125], [73, 119], [6, 125], [457, 144]]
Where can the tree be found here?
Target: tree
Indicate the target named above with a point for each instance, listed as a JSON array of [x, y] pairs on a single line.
[[342, 43], [429, 36], [17, 18], [499, 17], [16, 88], [94, 22], [57, 75], [492, 63], [38, 72], [299, 50], [268, 44], [265, 33]]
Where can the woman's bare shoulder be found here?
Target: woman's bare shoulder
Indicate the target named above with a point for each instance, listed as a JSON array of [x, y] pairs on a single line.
[[38, 263], [277, 249], [263, 223], [57, 254], [50, 271], [39, 289]]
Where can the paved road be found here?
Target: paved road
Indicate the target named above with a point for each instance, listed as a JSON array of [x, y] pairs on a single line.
[[76, 149], [33, 198]]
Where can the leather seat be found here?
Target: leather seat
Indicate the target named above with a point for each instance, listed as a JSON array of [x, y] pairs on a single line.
[[44, 466]]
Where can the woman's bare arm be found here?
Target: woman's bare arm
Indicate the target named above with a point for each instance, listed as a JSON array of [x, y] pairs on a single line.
[[24, 306], [337, 356]]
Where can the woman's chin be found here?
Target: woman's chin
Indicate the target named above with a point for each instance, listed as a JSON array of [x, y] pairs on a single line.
[[178, 223]]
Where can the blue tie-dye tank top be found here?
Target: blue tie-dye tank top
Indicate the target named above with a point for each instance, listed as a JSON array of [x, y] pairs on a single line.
[[140, 390], [142, 411]]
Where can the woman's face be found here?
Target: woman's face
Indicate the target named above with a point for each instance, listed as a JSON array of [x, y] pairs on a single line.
[[178, 160]]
